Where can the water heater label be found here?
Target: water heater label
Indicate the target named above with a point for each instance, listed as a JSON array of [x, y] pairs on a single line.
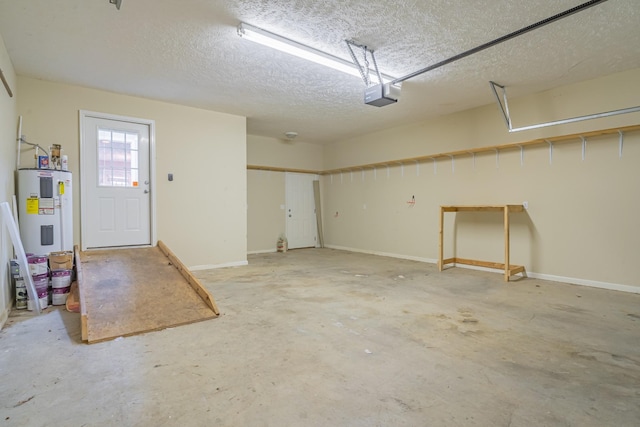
[[46, 207], [32, 206]]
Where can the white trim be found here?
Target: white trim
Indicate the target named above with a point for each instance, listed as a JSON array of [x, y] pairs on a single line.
[[264, 251], [4, 316], [533, 275], [387, 254], [84, 114], [214, 266], [586, 282], [287, 203]]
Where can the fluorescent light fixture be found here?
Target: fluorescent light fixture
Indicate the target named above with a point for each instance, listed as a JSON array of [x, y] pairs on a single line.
[[283, 44]]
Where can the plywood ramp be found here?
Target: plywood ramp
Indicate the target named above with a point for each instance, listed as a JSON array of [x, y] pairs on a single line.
[[131, 291]]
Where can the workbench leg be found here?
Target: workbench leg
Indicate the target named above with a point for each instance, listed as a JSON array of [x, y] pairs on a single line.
[[506, 244], [440, 248]]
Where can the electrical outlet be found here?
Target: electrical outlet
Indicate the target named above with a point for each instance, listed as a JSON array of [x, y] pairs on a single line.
[[526, 205]]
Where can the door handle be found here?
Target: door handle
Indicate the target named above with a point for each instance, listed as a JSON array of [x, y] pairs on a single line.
[[146, 191]]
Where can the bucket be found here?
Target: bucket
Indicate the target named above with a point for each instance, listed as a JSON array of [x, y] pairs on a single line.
[[43, 303], [41, 283], [59, 295], [37, 265], [282, 244], [60, 279], [21, 294]]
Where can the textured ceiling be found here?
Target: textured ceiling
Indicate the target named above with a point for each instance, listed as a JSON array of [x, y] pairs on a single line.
[[188, 52]]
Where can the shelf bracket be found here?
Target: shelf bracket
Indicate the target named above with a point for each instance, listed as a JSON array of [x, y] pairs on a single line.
[[453, 163], [620, 142], [584, 147], [550, 151], [473, 156], [417, 168], [435, 166], [497, 158], [521, 155]]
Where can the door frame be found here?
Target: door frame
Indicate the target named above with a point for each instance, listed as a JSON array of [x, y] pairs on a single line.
[[85, 114], [315, 177]]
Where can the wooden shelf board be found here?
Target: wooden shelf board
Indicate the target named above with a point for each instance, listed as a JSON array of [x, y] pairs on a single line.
[[513, 269], [483, 208], [449, 154], [278, 169]]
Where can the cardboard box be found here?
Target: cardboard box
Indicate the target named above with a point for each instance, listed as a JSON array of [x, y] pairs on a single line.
[[61, 260]]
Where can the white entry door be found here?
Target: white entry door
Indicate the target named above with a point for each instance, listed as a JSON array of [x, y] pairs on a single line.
[[300, 209], [116, 182]]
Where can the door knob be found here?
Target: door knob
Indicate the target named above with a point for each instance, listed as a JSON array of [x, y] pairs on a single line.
[[146, 191]]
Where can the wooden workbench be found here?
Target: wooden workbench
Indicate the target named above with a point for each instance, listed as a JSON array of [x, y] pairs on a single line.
[[509, 270]]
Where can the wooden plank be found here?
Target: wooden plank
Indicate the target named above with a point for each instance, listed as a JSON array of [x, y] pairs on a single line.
[[506, 243], [483, 208], [193, 281], [81, 293], [441, 241], [278, 169], [515, 269], [477, 263], [132, 291], [512, 270], [73, 299]]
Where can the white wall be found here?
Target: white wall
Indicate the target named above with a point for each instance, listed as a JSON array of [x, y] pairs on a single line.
[[582, 222], [201, 215], [266, 189], [8, 133]]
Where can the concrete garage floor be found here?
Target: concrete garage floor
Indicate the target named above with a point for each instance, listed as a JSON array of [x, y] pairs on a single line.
[[328, 338]]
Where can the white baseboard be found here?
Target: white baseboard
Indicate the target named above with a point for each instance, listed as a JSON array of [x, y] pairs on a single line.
[[387, 254], [4, 316], [213, 266], [264, 251], [542, 276], [586, 282]]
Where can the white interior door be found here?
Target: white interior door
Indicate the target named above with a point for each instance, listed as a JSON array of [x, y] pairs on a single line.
[[116, 183], [300, 210]]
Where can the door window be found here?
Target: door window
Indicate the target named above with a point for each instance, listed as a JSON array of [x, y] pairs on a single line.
[[117, 158]]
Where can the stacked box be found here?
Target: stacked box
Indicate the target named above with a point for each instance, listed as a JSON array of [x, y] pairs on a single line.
[[19, 286], [61, 260]]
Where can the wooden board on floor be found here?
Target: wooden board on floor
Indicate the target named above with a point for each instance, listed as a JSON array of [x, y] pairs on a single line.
[[131, 291]]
